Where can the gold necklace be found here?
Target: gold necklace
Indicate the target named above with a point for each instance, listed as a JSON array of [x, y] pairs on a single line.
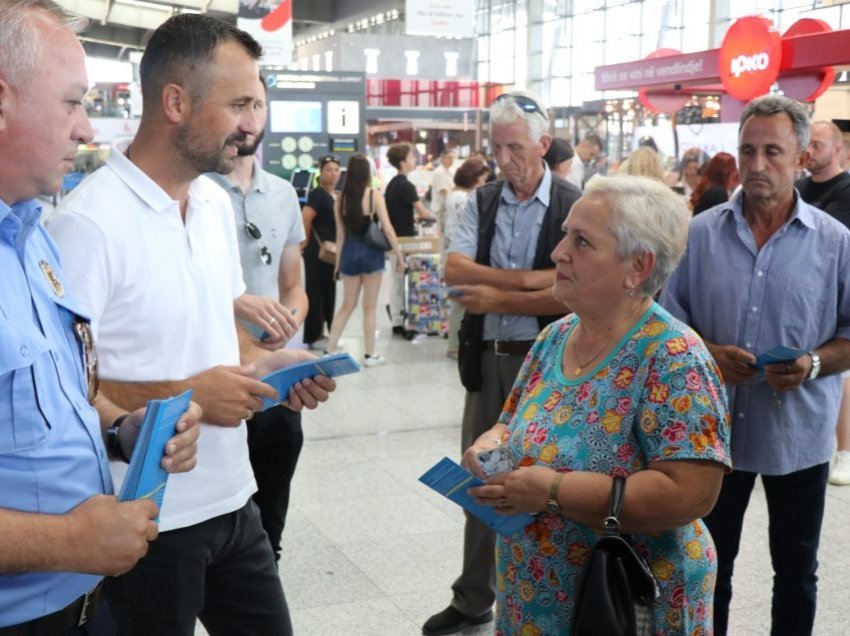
[[582, 365], [577, 371]]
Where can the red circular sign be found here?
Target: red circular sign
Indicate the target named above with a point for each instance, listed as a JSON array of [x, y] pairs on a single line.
[[663, 101], [750, 57], [808, 86]]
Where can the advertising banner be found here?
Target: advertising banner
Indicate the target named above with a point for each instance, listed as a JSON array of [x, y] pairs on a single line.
[[446, 18], [270, 22]]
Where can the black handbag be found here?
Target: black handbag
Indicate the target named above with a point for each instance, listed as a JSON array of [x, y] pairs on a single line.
[[616, 590], [375, 236]]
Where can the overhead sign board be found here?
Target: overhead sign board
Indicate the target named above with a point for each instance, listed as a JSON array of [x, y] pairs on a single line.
[[442, 18]]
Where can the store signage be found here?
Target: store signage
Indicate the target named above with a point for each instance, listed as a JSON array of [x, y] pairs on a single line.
[[809, 85], [661, 101], [750, 57]]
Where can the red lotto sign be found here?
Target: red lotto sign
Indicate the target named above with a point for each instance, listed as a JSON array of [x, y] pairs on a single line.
[[750, 57]]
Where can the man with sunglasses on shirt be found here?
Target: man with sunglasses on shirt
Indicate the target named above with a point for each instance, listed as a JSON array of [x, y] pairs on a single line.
[[268, 217], [152, 253], [61, 530], [500, 267]]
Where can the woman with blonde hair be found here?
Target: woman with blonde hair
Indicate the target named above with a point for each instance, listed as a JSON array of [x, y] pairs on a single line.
[[644, 162]]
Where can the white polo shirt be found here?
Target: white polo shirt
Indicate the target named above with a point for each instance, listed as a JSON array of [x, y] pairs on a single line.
[[160, 294]]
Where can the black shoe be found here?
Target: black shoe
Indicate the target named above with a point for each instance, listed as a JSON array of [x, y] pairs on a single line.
[[398, 330], [451, 621]]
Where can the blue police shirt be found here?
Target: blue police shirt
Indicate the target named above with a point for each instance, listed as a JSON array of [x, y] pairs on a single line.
[[51, 450]]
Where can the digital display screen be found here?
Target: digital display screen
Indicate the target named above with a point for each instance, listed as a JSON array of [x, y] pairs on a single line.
[[295, 117]]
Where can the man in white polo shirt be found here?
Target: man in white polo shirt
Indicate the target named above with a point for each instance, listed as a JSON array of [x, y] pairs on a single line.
[[151, 252]]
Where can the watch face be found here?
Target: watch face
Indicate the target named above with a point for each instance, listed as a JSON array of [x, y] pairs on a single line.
[[553, 507]]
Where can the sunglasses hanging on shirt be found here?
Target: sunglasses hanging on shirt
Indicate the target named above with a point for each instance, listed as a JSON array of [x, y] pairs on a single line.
[[254, 232]]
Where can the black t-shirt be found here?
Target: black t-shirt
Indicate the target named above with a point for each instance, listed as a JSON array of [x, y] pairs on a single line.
[[833, 196], [715, 195], [400, 196], [324, 224]]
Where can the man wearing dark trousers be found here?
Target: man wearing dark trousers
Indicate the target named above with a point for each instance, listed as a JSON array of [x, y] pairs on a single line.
[[500, 265], [151, 249], [268, 218], [61, 528], [761, 270]]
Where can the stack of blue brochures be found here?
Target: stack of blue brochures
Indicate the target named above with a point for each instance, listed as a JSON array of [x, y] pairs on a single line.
[[778, 355], [285, 378], [146, 478], [452, 481]]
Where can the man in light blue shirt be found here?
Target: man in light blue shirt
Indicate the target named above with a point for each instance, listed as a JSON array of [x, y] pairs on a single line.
[[500, 268], [61, 529], [767, 269]]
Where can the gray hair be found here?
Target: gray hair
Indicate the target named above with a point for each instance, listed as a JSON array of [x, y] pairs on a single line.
[[770, 105], [21, 45], [506, 111], [646, 216]]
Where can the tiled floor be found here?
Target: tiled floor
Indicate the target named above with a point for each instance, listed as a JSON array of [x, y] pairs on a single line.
[[370, 551]]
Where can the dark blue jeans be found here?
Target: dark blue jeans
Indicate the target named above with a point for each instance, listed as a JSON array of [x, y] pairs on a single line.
[[220, 570], [795, 504]]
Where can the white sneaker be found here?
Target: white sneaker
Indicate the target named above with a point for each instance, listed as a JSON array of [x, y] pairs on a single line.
[[374, 361], [840, 473], [319, 345]]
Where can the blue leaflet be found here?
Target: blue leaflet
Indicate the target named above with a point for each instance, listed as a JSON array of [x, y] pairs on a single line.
[[145, 477], [778, 355], [285, 378], [452, 481]]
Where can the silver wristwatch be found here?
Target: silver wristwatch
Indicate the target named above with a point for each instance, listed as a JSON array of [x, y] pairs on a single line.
[[815, 372]]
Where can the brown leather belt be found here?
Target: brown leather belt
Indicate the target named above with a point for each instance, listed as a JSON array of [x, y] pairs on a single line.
[[74, 615], [508, 347]]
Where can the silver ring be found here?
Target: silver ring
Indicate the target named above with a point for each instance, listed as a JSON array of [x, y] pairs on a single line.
[[250, 414], [271, 320], [503, 504]]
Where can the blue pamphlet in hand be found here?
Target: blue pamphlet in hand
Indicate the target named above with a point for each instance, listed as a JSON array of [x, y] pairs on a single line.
[[452, 481], [146, 478], [285, 378], [778, 355]]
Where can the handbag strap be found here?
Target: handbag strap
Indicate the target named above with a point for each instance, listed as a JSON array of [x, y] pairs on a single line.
[[371, 207], [611, 525]]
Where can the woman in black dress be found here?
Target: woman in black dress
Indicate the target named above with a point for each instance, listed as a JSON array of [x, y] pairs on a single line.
[[319, 225], [717, 180]]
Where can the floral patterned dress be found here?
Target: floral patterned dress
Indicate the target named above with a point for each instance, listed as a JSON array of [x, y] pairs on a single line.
[[657, 397]]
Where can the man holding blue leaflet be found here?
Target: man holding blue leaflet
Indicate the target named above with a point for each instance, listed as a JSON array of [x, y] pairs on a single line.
[[159, 273], [762, 270], [61, 528]]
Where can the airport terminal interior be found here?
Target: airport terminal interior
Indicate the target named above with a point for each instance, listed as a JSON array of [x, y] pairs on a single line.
[[368, 550]]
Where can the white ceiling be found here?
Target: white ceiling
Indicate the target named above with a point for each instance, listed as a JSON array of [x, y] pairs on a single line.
[[147, 15]]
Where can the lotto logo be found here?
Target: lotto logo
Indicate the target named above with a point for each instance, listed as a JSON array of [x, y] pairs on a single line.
[[750, 57], [749, 63]]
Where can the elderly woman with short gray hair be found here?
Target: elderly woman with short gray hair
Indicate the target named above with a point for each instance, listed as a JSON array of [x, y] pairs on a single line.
[[617, 388]]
